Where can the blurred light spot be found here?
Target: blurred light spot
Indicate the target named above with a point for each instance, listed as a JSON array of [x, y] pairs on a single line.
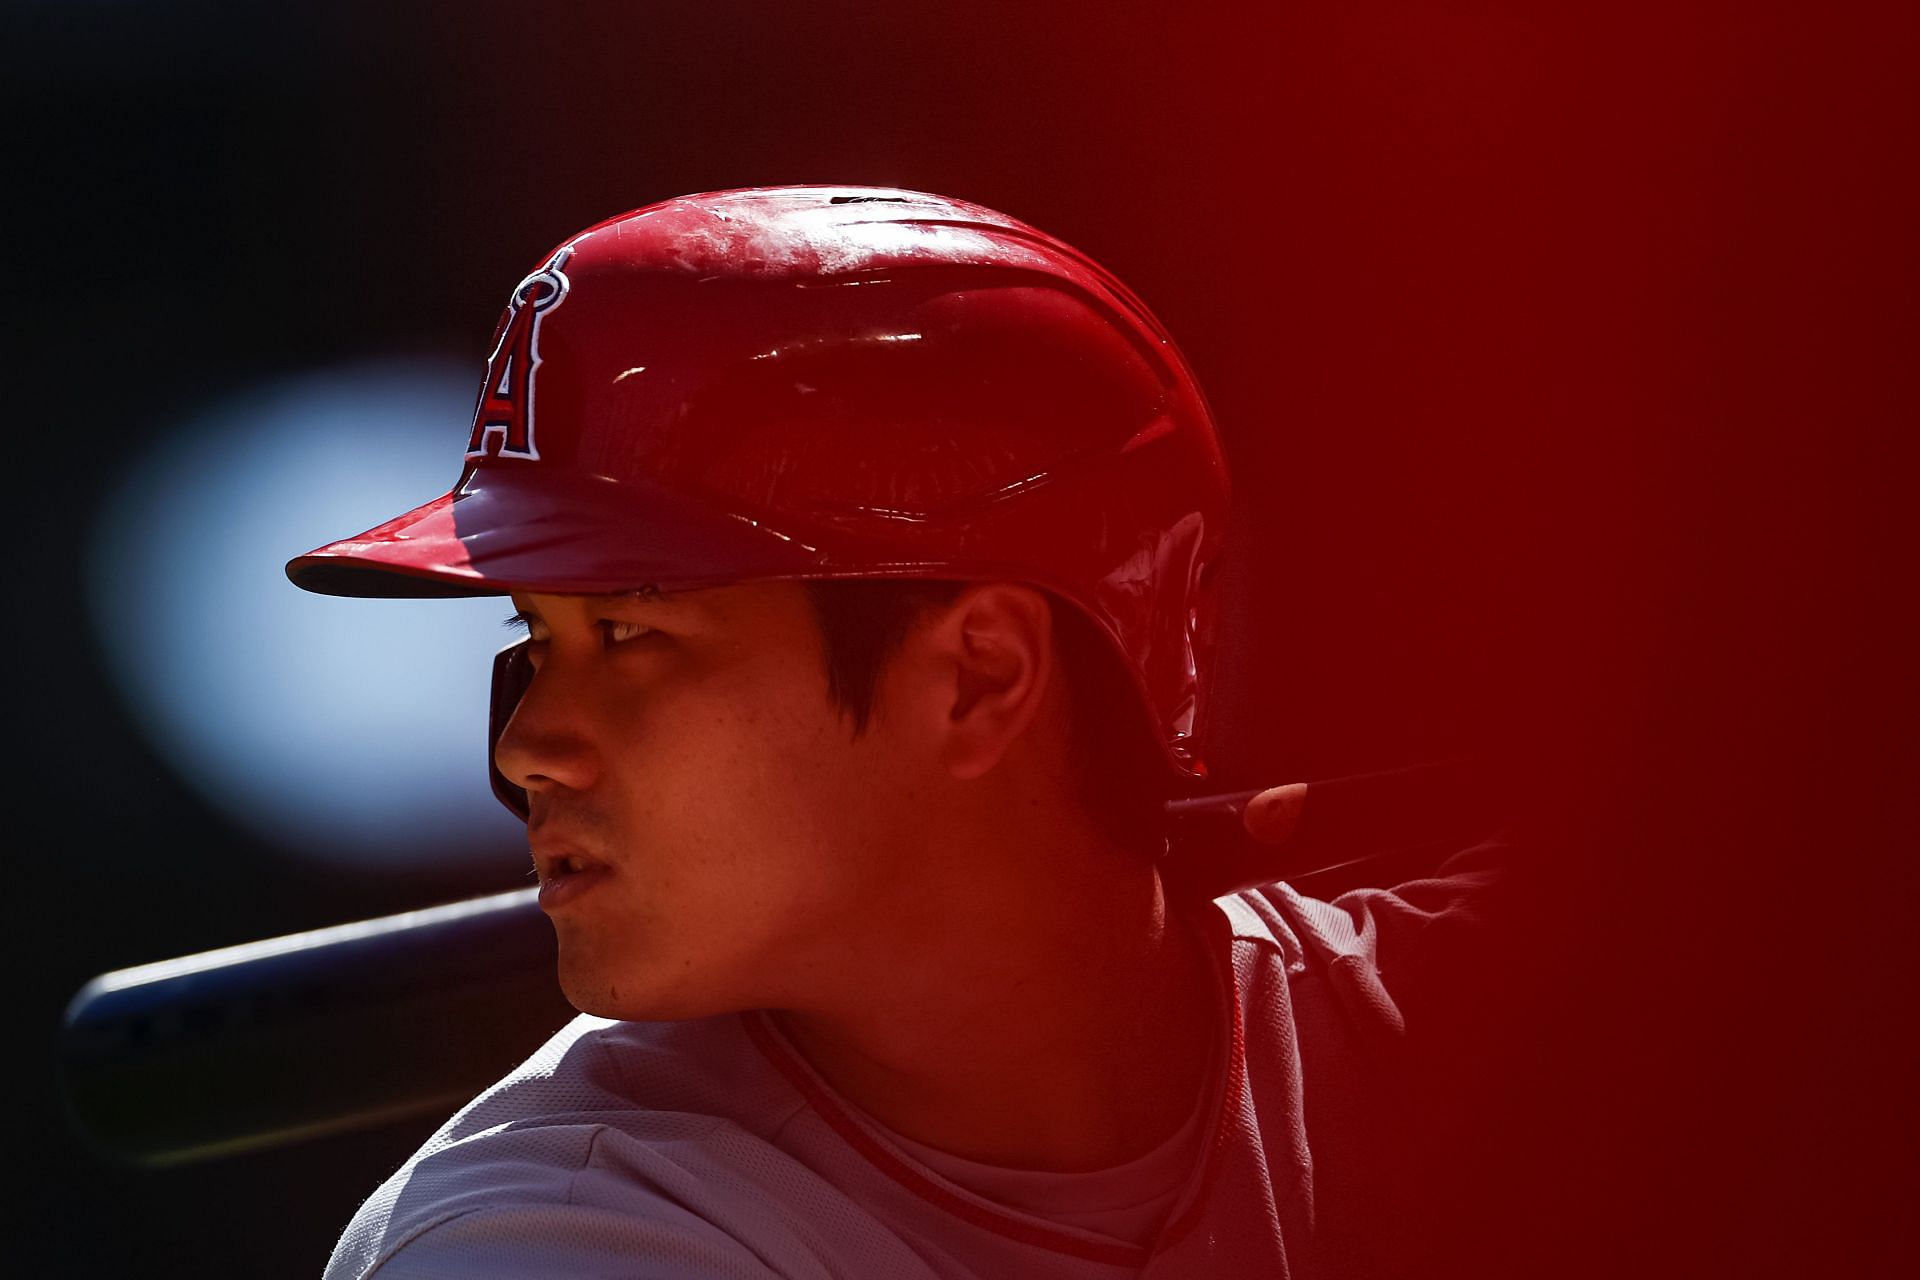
[[348, 730]]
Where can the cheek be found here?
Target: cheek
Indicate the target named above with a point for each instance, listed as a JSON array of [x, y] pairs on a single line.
[[758, 835], [750, 782], [784, 773]]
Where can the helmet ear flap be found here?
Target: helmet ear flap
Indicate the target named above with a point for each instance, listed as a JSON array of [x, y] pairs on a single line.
[[512, 674]]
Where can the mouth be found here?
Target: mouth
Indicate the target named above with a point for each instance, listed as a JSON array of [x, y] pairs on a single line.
[[565, 874], [565, 865]]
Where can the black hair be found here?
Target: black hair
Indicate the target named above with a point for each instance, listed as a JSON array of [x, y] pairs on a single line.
[[1119, 773]]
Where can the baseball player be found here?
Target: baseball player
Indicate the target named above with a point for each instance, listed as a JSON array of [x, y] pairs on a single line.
[[862, 541]]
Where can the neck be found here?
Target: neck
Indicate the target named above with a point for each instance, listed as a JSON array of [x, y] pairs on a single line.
[[1043, 1009]]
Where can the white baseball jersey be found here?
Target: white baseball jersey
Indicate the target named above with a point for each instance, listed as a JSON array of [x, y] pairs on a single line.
[[709, 1148]]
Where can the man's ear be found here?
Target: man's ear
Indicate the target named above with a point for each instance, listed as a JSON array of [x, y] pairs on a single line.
[[992, 654]]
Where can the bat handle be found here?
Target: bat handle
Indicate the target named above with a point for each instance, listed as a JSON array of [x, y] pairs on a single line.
[[1340, 821]]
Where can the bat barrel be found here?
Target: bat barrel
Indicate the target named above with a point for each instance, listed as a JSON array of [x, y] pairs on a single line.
[[265, 1043]]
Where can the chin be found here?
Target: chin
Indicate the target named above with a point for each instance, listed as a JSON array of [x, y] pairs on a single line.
[[630, 999], [594, 993]]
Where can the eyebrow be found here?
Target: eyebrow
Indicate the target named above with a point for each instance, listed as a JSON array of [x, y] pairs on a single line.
[[674, 601], [664, 599]]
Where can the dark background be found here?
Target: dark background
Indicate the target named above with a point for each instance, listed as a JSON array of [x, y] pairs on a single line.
[[1558, 351]]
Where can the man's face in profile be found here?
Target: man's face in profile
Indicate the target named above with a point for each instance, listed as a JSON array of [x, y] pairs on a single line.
[[706, 827]]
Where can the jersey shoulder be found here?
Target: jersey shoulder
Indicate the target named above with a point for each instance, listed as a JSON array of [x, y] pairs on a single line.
[[1372, 948], [615, 1140]]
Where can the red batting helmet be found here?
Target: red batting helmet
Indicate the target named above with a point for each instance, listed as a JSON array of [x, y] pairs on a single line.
[[829, 382]]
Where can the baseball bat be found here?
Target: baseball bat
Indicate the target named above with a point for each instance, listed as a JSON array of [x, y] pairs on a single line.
[[342, 1028]]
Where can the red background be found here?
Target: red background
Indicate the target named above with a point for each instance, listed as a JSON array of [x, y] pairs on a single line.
[[1562, 357]]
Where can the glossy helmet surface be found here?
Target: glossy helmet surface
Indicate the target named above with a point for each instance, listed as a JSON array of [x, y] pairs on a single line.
[[820, 382]]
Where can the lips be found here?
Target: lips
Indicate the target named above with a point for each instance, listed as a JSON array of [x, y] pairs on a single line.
[[565, 873], [555, 858]]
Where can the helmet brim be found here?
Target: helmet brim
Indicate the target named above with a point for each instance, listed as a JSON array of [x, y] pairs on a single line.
[[572, 536]]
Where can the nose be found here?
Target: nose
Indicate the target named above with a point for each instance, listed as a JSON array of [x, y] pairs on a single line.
[[547, 744]]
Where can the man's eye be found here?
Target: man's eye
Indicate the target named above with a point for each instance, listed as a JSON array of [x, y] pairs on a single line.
[[620, 631], [526, 622]]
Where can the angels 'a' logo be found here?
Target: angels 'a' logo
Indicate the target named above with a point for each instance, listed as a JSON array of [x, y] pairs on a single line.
[[505, 412]]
